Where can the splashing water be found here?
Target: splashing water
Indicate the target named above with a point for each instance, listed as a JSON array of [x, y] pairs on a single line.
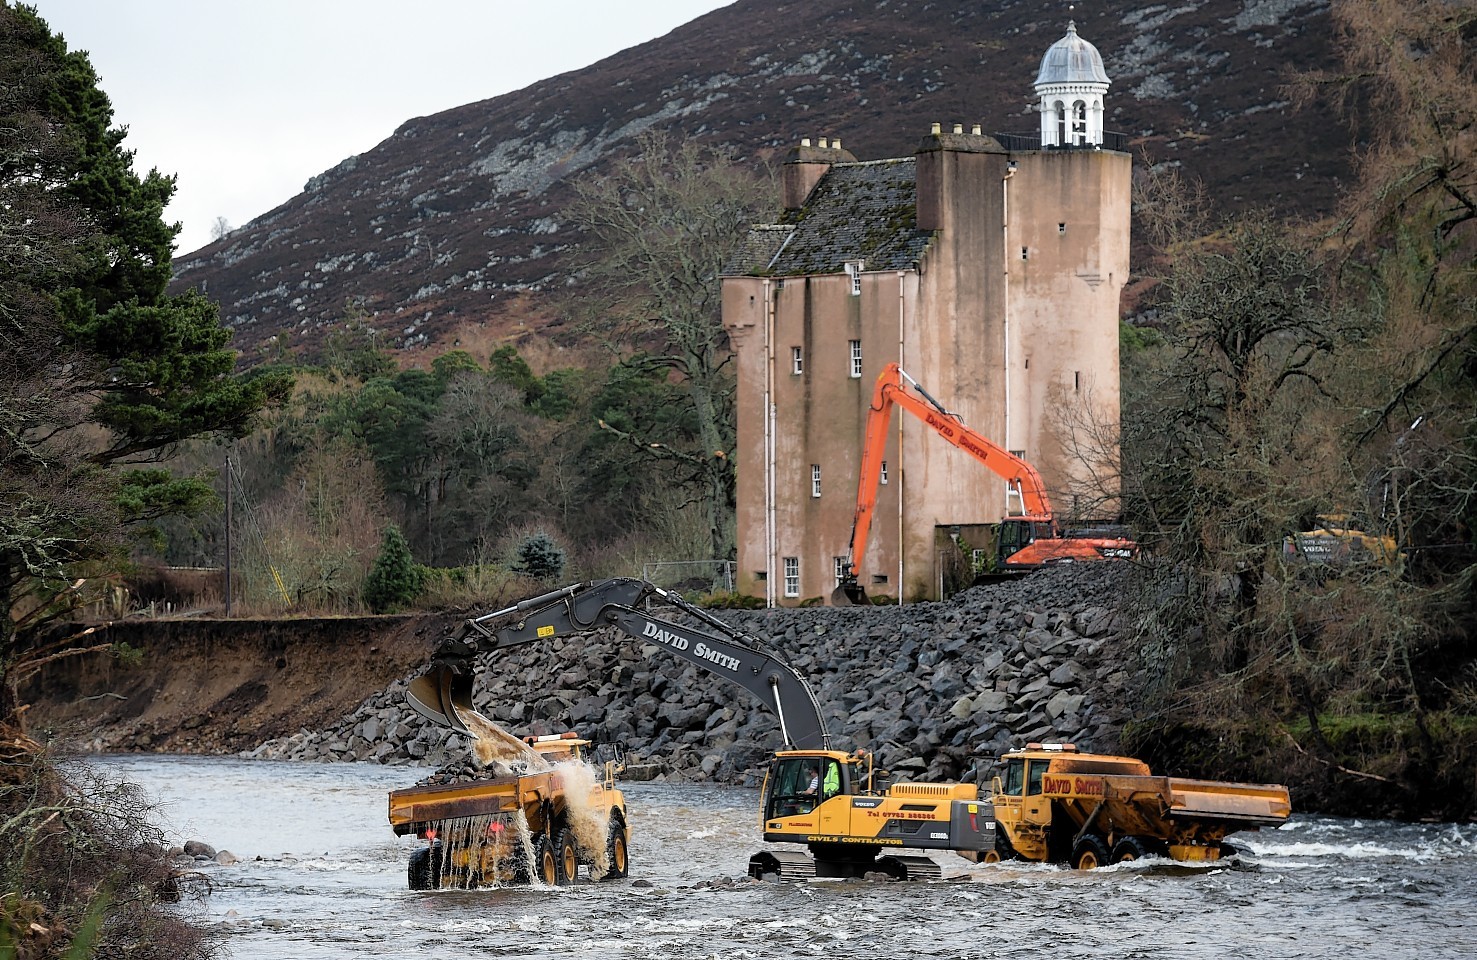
[[494, 743], [587, 810]]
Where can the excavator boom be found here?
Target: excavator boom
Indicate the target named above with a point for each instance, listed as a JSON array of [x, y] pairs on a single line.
[[444, 693], [1036, 541], [895, 388]]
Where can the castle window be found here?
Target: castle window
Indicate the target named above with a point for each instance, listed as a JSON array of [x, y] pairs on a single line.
[[797, 360], [883, 474], [1079, 123], [815, 479], [1025, 253], [856, 359], [841, 566], [1061, 228], [761, 575], [1061, 122], [792, 576]]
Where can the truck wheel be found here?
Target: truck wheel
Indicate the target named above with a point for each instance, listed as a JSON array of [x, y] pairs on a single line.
[[546, 869], [566, 857], [1004, 849], [1089, 853], [616, 858], [424, 870], [1130, 848]]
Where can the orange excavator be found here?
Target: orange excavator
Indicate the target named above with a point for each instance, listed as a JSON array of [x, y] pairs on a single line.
[[1026, 541]]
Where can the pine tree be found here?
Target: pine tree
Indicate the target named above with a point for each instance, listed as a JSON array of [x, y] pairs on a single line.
[[101, 370], [395, 580]]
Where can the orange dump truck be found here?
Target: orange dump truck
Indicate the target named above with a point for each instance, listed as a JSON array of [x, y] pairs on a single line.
[[1056, 805], [539, 826]]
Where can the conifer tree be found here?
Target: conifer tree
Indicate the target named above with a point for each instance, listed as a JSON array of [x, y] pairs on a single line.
[[101, 369], [395, 580]]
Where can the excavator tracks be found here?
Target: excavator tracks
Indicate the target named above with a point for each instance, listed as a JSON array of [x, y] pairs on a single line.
[[794, 865], [781, 865], [903, 866]]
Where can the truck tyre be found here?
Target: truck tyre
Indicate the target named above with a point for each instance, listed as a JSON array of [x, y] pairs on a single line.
[[1004, 849], [566, 857], [1130, 848], [546, 870], [616, 858], [424, 870], [1089, 853]]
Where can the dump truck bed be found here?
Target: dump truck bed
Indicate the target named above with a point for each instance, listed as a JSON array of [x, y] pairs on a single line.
[[1156, 806], [414, 806]]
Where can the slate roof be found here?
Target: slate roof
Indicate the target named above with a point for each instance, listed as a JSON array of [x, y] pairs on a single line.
[[858, 211]]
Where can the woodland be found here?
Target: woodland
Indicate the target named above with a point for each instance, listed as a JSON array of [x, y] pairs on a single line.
[[1275, 372]]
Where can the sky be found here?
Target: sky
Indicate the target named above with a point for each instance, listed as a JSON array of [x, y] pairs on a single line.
[[245, 101]]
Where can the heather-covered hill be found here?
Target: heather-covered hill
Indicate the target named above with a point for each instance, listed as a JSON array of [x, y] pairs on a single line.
[[456, 220]]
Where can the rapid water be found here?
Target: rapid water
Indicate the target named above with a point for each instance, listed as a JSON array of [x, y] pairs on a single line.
[[322, 877]]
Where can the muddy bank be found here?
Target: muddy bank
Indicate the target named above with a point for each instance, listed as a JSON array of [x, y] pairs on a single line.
[[223, 686]]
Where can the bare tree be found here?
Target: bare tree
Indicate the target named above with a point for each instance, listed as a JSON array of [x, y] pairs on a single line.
[[660, 228]]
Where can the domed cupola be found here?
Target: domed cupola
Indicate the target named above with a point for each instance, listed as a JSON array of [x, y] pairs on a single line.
[[1071, 84]]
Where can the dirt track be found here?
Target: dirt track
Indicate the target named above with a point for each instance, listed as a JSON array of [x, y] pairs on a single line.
[[225, 685]]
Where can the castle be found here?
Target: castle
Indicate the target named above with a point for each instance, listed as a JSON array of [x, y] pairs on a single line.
[[989, 268]]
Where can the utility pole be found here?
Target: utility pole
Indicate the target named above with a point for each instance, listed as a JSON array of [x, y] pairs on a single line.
[[228, 536]]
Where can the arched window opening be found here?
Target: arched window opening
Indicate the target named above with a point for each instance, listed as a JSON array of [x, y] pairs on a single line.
[[1079, 123], [1061, 123]]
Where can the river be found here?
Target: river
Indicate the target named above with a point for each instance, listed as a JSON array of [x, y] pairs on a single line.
[[322, 877]]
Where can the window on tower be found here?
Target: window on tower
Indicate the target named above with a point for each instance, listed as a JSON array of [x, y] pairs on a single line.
[[1061, 123], [1079, 123]]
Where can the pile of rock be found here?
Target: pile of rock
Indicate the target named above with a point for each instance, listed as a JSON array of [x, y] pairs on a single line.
[[936, 690]]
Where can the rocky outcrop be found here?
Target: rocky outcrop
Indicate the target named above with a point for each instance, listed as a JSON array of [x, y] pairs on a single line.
[[935, 690]]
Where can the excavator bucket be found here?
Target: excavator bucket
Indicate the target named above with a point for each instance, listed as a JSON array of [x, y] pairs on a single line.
[[850, 594], [442, 696]]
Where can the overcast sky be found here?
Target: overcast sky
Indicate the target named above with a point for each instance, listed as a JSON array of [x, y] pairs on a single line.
[[247, 100]]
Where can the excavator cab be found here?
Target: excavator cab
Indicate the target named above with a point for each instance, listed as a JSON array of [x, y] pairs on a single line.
[[797, 784], [1014, 534]]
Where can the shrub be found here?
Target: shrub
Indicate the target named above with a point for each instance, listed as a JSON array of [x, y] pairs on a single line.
[[730, 600], [86, 873]]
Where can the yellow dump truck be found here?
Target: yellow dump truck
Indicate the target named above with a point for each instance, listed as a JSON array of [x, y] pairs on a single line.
[[1057, 805], [542, 825]]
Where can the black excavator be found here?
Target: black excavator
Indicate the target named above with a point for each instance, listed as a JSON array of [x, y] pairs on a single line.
[[832, 802]]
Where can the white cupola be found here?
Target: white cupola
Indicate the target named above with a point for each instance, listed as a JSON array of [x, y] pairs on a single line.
[[1071, 84]]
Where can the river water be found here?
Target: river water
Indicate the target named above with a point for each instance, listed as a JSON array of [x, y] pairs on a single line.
[[322, 877]]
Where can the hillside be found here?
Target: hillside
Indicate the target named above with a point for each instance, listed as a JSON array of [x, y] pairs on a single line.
[[455, 221]]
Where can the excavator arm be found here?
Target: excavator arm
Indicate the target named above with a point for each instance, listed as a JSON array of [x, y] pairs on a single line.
[[895, 388], [444, 693]]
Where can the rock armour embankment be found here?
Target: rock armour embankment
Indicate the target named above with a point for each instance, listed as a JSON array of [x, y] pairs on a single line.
[[936, 690]]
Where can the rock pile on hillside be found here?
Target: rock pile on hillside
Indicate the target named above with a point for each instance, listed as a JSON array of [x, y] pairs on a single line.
[[935, 690]]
